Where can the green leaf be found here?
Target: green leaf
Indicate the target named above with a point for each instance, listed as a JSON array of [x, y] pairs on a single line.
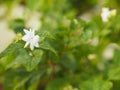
[[69, 62], [34, 86], [116, 58], [116, 85], [77, 23], [44, 41], [34, 4], [22, 57], [8, 56], [5, 61], [16, 79], [11, 48], [58, 84], [17, 25], [96, 84], [47, 46], [16, 55], [114, 73], [34, 61], [45, 34], [21, 82]]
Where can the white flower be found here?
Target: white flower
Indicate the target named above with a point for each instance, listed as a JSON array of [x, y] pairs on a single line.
[[30, 38], [106, 14]]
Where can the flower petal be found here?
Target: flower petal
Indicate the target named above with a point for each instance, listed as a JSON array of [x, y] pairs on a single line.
[[25, 38], [31, 47], [26, 31], [27, 43], [36, 45]]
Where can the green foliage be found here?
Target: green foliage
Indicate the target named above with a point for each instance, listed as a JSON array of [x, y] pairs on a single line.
[[114, 74], [17, 25], [96, 84], [73, 53], [58, 83]]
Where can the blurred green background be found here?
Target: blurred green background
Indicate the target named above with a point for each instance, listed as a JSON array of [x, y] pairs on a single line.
[[83, 55]]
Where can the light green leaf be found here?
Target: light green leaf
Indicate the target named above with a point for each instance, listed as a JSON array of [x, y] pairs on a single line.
[[96, 84], [114, 74], [34, 4], [11, 48], [6, 60], [7, 57], [22, 57]]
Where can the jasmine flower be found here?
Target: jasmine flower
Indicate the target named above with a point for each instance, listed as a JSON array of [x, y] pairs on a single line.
[[31, 39], [106, 14]]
